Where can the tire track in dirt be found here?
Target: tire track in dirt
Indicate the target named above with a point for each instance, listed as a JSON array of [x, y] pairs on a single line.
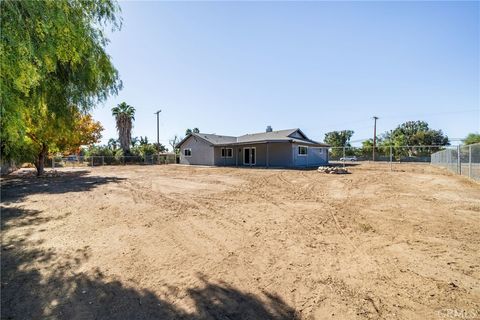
[[309, 193]]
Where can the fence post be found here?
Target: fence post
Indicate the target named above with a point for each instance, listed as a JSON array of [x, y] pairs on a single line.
[[92, 161], [391, 157], [344, 156], [470, 161], [103, 160], [459, 161]]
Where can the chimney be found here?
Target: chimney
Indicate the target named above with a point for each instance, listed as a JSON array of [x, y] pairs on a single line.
[[269, 129]]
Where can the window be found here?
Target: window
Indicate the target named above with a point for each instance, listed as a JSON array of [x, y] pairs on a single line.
[[302, 150], [227, 153], [187, 152]]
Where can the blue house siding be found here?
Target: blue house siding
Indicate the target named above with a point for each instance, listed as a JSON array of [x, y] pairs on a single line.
[[316, 156], [280, 155], [225, 161]]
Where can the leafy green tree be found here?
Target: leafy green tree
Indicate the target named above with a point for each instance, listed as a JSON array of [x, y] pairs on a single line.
[[161, 147], [98, 151], [367, 147], [53, 62], [124, 115], [144, 150], [414, 138], [339, 138], [189, 131], [147, 149], [472, 138], [415, 133]]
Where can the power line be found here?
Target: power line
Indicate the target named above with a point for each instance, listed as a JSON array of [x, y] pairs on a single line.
[[404, 116], [431, 114]]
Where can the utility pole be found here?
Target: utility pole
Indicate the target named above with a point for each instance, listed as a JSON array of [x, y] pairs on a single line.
[[158, 130], [375, 118]]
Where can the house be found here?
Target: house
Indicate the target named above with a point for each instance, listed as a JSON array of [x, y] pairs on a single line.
[[284, 149]]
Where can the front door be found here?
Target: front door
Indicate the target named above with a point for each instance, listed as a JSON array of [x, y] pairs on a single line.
[[249, 156]]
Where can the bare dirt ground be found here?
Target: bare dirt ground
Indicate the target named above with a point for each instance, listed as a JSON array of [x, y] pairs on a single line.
[[177, 242]]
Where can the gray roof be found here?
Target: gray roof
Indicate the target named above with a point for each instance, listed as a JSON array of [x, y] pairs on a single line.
[[289, 135], [215, 139]]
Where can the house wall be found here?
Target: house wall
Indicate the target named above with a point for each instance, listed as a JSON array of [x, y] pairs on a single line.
[[315, 156], [279, 155], [202, 152], [260, 154], [219, 161]]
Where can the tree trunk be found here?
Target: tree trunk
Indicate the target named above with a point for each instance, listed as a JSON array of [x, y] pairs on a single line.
[[40, 161]]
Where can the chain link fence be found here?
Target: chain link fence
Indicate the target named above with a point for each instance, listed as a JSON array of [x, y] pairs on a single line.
[[95, 161], [383, 154], [463, 160]]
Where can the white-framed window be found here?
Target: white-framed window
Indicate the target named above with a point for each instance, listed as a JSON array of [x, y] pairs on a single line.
[[227, 152], [187, 152], [302, 150]]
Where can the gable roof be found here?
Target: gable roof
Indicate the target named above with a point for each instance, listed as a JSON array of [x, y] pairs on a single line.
[[289, 135], [263, 136], [213, 139]]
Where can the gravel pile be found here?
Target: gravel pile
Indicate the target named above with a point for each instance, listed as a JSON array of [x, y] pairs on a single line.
[[332, 170]]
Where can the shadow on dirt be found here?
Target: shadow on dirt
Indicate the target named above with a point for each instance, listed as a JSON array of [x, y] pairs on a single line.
[[15, 189], [346, 164], [66, 293]]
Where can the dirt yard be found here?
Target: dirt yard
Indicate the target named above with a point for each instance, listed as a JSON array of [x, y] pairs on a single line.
[[177, 242]]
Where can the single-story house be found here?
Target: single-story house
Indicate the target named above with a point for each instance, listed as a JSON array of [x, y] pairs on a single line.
[[283, 149]]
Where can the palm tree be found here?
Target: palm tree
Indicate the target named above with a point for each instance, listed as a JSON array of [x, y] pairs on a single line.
[[112, 144], [189, 131], [144, 141], [134, 142], [124, 115]]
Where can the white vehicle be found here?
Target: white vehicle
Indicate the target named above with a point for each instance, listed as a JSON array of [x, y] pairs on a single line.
[[348, 158]]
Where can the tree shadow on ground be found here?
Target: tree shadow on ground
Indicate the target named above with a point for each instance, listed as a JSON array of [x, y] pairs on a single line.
[[15, 189], [39, 283]]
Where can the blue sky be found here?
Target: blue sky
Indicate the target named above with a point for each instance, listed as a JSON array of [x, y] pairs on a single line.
[[235, 67]]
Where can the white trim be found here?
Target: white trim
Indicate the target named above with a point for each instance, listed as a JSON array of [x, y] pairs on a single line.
[[250, 153], [301, 154], [226, 153], [190, 149]]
